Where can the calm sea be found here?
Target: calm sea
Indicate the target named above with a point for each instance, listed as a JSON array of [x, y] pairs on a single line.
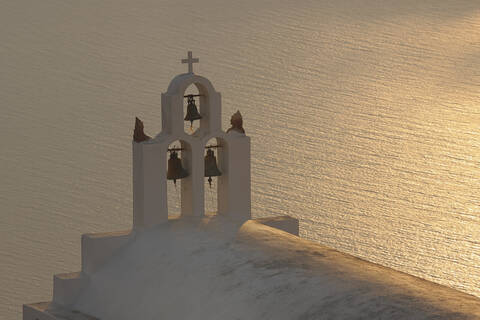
[[364, 117]]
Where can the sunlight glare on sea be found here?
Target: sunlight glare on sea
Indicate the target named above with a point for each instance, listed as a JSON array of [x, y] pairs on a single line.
[[364, 118]]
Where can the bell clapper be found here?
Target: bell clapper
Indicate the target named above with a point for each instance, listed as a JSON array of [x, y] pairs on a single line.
[[210, 181]]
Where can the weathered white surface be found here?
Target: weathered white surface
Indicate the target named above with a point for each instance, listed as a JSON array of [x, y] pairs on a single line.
[[210, 269]]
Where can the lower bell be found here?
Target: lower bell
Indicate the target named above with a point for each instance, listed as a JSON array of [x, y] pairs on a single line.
[[175, 170], [211, 169]]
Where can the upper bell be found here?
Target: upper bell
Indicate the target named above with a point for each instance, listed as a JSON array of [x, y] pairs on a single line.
[[192, 112], [211, 169], [175, 170]]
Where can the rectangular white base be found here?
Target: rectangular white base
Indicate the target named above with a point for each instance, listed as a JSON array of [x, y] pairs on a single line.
[[47, 311]]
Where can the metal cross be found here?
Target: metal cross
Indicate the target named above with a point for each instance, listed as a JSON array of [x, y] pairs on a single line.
[[190, 61]]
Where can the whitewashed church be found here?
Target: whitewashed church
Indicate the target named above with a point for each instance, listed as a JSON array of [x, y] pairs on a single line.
[[227, 265]]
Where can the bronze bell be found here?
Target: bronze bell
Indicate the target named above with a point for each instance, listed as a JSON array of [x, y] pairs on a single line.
[[175, 170], [211, 169], [192, 112]]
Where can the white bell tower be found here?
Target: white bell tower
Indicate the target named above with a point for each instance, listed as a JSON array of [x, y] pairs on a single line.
[[150, 160]]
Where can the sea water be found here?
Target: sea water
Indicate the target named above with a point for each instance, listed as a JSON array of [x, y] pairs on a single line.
[[364, 118]]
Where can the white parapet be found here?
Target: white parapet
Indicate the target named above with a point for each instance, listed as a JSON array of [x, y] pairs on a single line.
[[49, 311], [284, 223], [37, 311], [98, 248], [67, 287]]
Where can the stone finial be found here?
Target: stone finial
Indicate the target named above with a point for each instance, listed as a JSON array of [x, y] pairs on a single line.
[[138, 134], [237, 123]]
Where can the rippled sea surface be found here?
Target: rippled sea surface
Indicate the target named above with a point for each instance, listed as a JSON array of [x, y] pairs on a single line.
[[364, 117]]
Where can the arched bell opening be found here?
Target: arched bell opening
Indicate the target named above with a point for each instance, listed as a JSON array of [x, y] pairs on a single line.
[[196, 108], [214, 174], [179, 168]]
